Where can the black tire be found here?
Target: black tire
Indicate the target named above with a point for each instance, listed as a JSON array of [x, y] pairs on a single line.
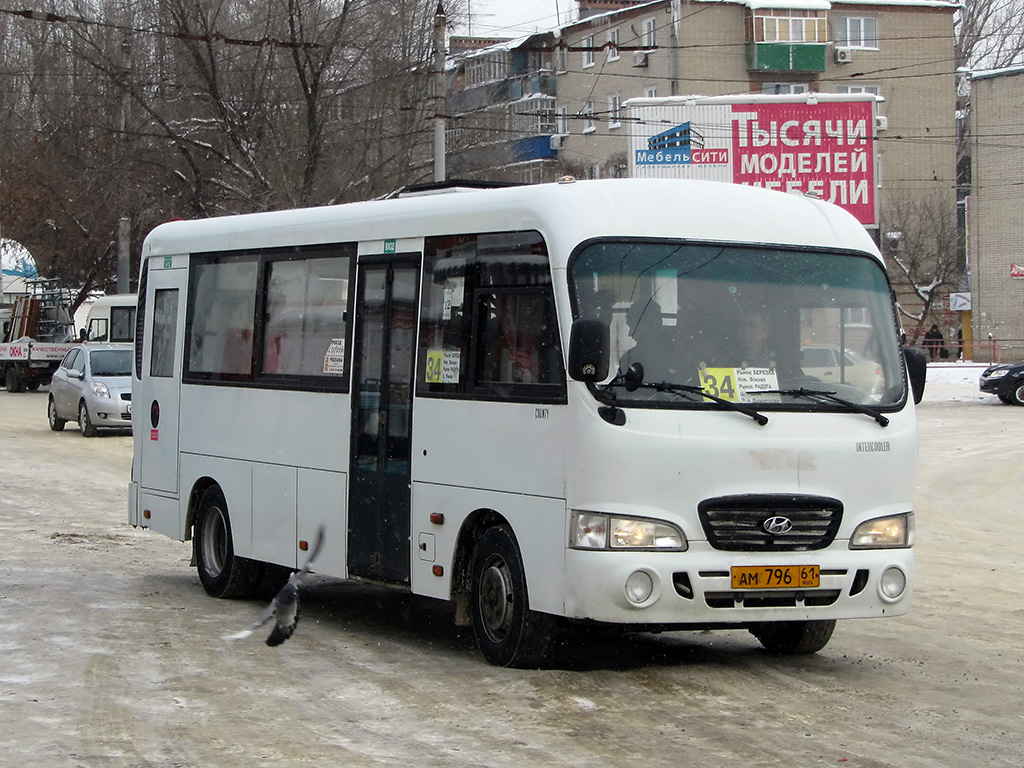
[[220, 572], [56, 422], [12, 380], [507, 632], [85, 425], [794, 637], [1016, 392]]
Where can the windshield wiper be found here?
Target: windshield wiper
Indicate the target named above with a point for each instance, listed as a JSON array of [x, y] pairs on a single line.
[[633, 379], [679, 389], [812, 394]]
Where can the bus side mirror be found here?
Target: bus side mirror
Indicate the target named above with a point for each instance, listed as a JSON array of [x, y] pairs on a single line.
[[917, 370], [588, 350]]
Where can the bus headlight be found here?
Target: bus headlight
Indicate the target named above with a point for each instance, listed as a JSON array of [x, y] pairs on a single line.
[[892, 532], [591, 530]]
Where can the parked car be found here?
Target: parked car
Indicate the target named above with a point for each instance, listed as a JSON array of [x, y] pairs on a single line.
[[1006, 381], [93, 386], [826, 363]]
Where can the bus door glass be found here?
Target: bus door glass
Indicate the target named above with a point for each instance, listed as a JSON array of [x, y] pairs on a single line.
[[161, 373], [379, 491]]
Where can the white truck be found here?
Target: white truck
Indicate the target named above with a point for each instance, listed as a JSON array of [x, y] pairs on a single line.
[[36, 336]]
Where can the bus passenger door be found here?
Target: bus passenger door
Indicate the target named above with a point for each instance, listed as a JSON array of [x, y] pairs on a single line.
[[380, 479], [155, 403]]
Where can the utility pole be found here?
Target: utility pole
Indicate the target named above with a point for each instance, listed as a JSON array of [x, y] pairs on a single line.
[[123, 222], [440, 24]]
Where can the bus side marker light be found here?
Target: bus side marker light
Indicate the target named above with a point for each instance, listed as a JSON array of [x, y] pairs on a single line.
[[146, 514], [303, 545], [437, 518], [438, 570]]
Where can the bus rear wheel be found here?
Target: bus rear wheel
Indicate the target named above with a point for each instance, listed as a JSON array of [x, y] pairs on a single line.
[[508, 633], [794, 637], [221, 573]]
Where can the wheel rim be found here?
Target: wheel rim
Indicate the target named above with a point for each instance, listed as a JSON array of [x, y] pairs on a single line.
[[51, 411], [496, 598], [214, 542], [83, 418], [1017, 393]]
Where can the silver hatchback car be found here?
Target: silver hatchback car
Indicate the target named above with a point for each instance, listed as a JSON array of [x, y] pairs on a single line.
[[93, 385]]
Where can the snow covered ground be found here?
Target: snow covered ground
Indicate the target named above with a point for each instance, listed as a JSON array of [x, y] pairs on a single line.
[[956, 382]]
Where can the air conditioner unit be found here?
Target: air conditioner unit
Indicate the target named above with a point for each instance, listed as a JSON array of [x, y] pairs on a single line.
[[640, 58], [844, 55], [881, 123], [556, 141]]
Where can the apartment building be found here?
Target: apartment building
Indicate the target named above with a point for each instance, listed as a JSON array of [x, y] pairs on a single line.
[[557, 106], [995, 225]]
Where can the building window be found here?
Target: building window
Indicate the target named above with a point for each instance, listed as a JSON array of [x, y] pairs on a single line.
[[857, 32], [784, 89], [563, 121], [588, 52], [649, 38], [613, 44], [614, 111], [787, 26], [588, 117], [533, 116], [874, 90], [486, 68], [561, 59], [651, 92]]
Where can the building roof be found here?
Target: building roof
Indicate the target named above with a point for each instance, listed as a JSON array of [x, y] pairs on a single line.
[[982, 74]]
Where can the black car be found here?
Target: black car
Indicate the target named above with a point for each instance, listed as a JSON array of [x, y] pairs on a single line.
[[1006, 381]]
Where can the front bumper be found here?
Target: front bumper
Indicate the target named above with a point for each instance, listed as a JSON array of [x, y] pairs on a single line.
[[694, 589], [110, 412]]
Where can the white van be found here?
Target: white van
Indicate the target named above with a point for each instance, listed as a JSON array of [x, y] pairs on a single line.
[[112, 319]]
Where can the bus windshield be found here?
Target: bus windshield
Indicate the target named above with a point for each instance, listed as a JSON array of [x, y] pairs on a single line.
[[750, 324]]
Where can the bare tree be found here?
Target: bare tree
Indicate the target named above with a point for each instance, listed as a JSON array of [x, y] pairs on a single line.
[[989, 33], [919, 242], [201, 107]]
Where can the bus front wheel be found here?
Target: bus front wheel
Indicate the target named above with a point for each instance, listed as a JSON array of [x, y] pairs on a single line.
[[508, 633], [794, 637], [220, 572]]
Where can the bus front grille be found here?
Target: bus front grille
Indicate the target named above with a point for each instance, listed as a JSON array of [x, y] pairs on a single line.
[[770, 523]]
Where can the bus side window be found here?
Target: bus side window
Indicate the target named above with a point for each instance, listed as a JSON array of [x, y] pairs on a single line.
[[518, 343], [306, 305], [220, 343]]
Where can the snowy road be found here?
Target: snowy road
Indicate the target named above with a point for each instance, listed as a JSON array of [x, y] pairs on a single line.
[[111, 654]]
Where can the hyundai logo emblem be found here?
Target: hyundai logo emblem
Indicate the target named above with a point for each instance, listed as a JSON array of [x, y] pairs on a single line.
[[777, 525]]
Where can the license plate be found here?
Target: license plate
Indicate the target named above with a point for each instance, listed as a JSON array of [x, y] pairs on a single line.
[[775, 576]]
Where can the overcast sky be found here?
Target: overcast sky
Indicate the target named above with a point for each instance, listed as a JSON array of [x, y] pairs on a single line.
[[513, 18]]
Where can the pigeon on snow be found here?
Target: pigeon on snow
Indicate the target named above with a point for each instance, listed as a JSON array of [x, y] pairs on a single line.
[[284, 608]]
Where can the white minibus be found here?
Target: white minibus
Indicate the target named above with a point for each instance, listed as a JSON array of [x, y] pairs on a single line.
[[559, 405], [111, 319]]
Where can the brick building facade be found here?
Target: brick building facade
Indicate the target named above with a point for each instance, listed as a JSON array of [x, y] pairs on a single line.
[[995, 224]]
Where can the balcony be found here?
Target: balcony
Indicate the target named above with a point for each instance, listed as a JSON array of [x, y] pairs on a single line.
[[786, 57], [787, 40]]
